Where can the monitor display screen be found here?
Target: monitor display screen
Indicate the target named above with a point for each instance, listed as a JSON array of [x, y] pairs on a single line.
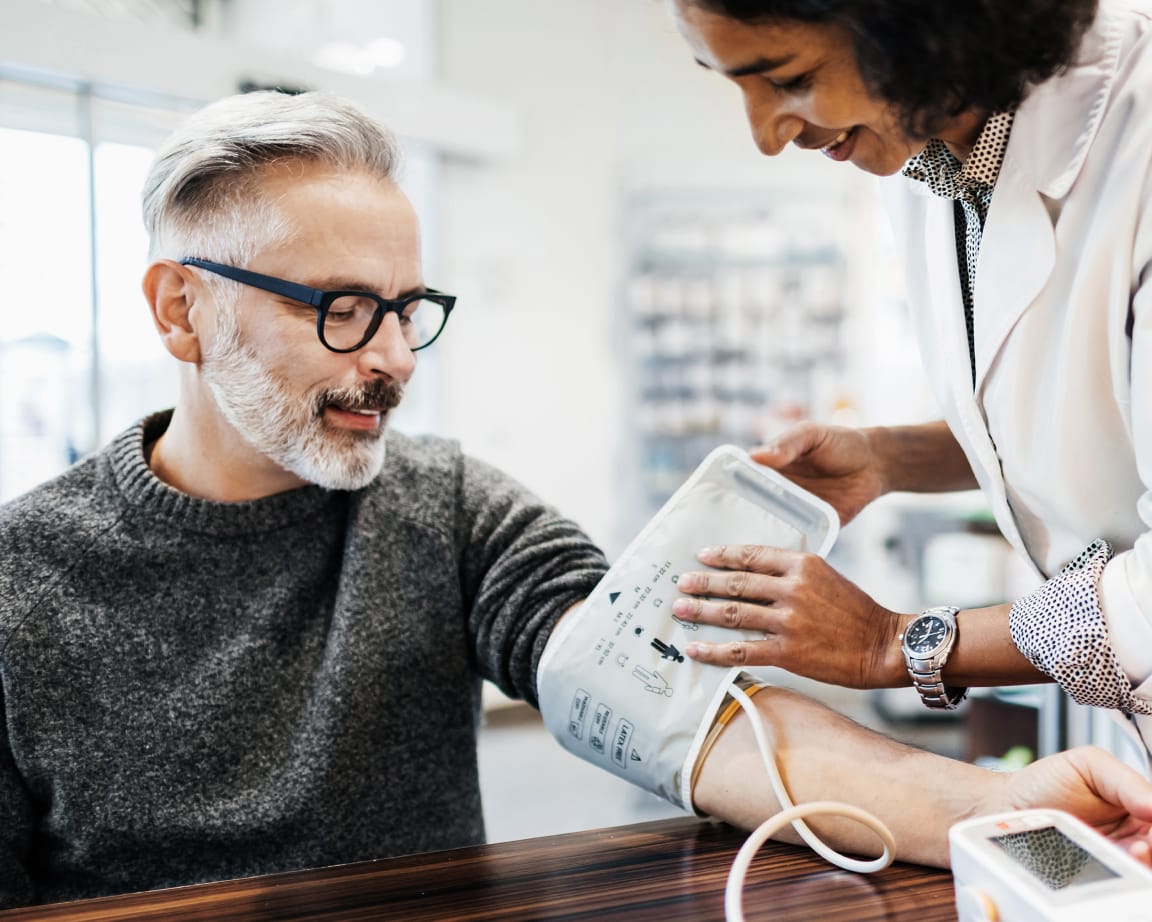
[[1052, 858]]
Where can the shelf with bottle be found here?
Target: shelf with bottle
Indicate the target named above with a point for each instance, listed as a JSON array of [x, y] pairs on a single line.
[[732, 310]]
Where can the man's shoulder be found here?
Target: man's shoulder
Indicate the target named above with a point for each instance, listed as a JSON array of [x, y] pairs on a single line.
[[62, 499], [431, 463], [43, 533], [424, 465], [431, 479], [421, 475], [430, 454]]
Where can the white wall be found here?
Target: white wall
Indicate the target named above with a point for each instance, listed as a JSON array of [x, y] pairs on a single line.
[[610, 101], [179, 65]]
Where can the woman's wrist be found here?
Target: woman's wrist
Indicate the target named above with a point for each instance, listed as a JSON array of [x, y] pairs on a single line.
[[893, 673], [879, 439], [924, 458]]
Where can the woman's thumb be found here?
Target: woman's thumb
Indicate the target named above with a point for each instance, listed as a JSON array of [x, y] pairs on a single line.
[[787, 447]]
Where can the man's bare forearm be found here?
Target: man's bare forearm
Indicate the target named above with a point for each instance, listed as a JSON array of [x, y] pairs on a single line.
[[825, 756], [920, 459]]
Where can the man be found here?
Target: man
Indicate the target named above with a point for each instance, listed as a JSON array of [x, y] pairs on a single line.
[[247, 636], [228, 646]]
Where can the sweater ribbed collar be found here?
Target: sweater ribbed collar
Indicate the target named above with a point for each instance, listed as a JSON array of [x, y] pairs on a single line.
[[125, 467]]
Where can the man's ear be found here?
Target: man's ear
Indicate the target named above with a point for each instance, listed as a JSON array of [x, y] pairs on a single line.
[[175, 296]]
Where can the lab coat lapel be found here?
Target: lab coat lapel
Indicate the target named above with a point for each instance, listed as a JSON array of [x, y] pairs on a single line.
[[1053, 131], [1017, 255], [966, 416], [948, 303]]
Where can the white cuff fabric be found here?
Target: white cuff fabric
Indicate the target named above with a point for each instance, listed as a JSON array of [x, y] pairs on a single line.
[[1128, 625], [1062, 631]]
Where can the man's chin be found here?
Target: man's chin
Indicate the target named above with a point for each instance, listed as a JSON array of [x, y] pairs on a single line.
[[343, 472]]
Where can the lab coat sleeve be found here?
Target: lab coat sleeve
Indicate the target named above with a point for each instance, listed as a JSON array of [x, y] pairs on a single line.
[[1126, 587], [1090, 628]]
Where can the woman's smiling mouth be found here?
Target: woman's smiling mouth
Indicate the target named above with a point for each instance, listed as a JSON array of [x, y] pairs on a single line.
[[840, 147]]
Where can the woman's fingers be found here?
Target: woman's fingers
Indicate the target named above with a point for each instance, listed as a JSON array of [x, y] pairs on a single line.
[[730, 584], [803, 615], [736, 653], [738, 616]]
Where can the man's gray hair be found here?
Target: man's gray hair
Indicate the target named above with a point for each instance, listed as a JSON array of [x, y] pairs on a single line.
[[201, 197]]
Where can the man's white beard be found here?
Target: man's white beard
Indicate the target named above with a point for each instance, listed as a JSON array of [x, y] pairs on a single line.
[[288, 427]]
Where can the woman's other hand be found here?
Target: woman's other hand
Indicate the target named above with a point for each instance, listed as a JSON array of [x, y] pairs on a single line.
[[836, 463], [849, 468]]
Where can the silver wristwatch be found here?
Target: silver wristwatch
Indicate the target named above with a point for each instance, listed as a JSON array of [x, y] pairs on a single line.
[[926, 643]]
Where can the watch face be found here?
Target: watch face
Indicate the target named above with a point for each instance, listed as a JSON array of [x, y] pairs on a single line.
[[926, 634]]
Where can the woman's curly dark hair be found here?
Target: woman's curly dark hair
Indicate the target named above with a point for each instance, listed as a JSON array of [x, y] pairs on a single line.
[[934, 59]]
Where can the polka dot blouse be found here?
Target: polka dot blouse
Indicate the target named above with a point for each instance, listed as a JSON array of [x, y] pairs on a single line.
[[969, 185]]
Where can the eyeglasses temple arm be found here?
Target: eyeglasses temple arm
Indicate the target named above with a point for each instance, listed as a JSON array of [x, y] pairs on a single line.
[[302, 293]]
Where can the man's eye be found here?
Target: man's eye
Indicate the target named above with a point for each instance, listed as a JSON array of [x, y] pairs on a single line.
[[350, 308]]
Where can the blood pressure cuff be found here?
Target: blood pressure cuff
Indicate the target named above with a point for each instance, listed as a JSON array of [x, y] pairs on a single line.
[[615, 686]]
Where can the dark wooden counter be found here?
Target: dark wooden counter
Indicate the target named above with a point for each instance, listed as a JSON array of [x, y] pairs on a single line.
[[660, 871]]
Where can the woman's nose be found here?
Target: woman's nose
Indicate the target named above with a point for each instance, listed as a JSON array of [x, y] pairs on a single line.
[[773, 123]]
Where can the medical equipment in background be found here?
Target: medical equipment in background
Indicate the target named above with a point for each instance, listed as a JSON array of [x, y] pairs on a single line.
[[1044, 866], [615, 686]]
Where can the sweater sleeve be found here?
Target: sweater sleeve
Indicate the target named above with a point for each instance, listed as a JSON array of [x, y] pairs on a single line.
[[16, 820], [522, 566]]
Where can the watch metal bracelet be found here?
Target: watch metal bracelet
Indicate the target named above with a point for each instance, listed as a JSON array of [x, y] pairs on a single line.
[[933, 692]]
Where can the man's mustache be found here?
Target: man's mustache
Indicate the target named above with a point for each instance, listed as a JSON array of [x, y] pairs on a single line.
[[377, 397]]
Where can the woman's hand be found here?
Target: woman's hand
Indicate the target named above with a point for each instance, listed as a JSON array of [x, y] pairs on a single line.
[[1090, 784], [850, 468], [836, 463], [815, 622]]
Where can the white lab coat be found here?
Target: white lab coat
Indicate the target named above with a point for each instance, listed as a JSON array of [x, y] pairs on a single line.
[[1059, 428]]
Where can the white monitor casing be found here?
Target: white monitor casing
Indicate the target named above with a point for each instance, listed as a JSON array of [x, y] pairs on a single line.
[[1044, 866]]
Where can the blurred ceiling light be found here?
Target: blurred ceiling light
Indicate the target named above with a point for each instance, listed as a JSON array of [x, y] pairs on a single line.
[[362, 60]]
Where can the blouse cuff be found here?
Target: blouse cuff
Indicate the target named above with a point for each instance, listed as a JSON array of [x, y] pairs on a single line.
[[1062, 631]]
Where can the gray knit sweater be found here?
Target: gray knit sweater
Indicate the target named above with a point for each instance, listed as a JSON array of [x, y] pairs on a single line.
[[196, 690]]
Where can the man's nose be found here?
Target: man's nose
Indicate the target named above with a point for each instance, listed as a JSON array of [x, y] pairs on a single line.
[[774, 125], [387, 352]]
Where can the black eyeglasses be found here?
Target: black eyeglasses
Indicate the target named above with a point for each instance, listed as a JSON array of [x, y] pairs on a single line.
[[347, 320]]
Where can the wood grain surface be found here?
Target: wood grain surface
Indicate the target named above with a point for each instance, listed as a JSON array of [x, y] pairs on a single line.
[[659, 871]]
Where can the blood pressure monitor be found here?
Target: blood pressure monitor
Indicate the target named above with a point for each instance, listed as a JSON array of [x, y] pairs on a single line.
[[615, 685], [1044, 866]]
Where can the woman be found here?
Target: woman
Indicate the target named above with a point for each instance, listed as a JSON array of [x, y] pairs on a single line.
[[1016, 143]]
